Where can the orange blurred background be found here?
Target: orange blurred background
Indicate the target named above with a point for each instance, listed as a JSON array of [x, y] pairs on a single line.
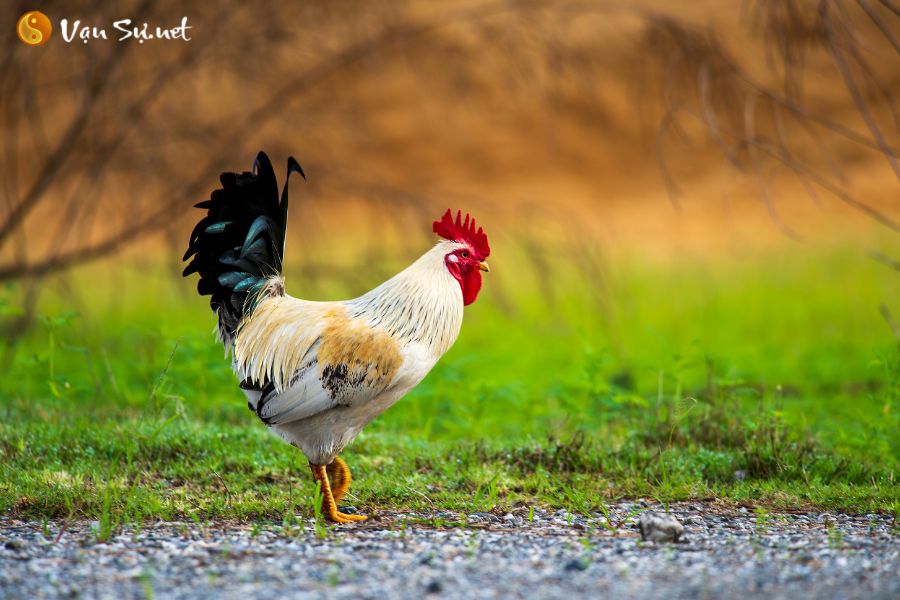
[[622, 125]]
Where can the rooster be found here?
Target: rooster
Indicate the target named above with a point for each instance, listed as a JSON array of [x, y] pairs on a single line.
[[316, 373]]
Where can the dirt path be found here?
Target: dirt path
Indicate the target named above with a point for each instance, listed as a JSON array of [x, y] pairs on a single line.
[[725, 554]]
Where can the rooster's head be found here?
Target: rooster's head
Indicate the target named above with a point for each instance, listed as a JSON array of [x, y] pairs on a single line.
[[466, 261]]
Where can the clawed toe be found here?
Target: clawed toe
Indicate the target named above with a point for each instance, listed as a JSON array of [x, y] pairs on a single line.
[[329, 502], [340, 517]]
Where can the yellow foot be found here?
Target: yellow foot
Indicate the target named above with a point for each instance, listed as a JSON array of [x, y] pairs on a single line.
[[339, 517], [329, 506]]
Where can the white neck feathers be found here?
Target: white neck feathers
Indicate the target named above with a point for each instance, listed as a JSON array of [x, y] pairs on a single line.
[[423, 303]]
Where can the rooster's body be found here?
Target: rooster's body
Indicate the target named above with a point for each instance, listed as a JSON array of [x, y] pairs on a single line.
[[316, 373]]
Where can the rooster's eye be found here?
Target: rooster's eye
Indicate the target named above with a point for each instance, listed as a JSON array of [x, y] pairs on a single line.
[[465, 254]]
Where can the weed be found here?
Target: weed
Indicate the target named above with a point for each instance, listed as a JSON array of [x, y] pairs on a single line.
[[587, 551], [485, 497], [255, 529], [472, 546], [59, 386], [604, 510], [333, 577], [319, 519], [106, 523], [146, 579], [835, 537], [762, 521]]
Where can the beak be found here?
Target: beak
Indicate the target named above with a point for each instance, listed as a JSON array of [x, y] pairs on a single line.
[[483, 266]]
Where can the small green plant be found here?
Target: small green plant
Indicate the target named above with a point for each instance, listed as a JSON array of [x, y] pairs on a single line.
[[603, 509], [106, 524], [45, 529], [485, 497], [835, 537], [762, 521], [472, 546], [291, 526], [255, 529], [676, 409], [59, 385], [319, 518], [333, 578], [147, 585], [587, 551]]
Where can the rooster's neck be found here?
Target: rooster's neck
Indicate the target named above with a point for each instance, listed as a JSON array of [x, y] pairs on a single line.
[[423, 303]]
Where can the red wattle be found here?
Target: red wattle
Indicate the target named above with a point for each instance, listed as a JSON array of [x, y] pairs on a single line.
[[471, 285]]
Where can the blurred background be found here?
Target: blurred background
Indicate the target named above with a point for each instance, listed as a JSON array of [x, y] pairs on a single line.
[[681, 199]]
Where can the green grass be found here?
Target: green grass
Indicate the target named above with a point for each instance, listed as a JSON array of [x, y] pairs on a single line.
[[773, 386]]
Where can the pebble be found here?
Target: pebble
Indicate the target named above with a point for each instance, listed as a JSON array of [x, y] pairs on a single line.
[[393, 555], [14, 544], [659, 527]]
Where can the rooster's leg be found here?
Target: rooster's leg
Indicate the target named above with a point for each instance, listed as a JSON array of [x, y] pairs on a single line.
[[339, 476], [329, 506]]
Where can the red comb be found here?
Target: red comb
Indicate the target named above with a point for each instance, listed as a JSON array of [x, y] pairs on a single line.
[[463, 231]]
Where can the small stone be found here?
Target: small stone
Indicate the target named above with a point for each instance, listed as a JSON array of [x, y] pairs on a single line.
[[576, 565], [434, 587], [657, 527], [15, 544]]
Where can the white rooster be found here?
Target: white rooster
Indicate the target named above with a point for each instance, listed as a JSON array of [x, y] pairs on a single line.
[[316, 373]]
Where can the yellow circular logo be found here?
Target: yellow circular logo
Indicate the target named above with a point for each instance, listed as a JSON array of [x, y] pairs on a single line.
[[34, 28]]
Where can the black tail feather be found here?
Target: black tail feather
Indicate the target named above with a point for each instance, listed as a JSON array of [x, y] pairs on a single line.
[[239, 244]]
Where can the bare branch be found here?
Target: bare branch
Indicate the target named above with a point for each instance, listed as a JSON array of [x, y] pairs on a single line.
[[885, 259], [864, 4], [52, 166], [889, 319], [862, 107], [891, 6]]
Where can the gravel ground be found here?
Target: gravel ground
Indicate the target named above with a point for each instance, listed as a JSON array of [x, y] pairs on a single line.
[[723, 553]]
